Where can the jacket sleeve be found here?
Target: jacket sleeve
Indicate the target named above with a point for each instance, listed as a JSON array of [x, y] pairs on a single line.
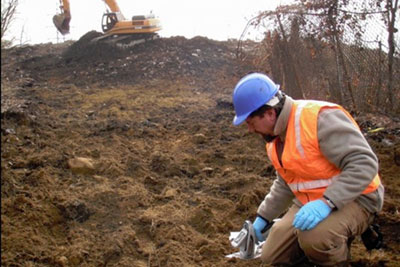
[[276, 201], [344, 145]]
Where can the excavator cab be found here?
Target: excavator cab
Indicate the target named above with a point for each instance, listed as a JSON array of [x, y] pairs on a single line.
[[113, 23], [108, 21]]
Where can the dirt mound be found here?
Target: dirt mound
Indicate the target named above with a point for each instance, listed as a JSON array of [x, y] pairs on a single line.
[[86, 50], [86, 63], [130, 159]]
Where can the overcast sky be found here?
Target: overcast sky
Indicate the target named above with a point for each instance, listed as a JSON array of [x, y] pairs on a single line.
[[215, 19]]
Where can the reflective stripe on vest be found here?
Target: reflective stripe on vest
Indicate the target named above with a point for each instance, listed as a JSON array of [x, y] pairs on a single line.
[[314, 184], [304, 168]]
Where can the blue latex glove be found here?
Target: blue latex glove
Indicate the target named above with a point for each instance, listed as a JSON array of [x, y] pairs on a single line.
[[259, 224], [311, 214]]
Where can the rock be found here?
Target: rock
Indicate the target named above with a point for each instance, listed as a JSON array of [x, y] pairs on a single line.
[[9, 131], [170, 193], [63, 261], [81, 165], [208, 170], [227, 171], [199, 138]]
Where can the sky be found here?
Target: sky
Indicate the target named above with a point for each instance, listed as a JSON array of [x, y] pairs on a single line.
[[215, 19]]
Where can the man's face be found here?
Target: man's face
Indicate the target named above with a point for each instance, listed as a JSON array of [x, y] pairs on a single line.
[[262, 125]]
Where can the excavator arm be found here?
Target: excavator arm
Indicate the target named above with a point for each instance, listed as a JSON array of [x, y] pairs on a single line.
[[61, 21], [113, 5]]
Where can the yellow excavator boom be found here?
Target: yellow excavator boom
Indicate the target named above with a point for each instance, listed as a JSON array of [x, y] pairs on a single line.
[[113, 5]]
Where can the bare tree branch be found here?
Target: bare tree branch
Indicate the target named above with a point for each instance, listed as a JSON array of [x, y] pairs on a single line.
[[8, 11]]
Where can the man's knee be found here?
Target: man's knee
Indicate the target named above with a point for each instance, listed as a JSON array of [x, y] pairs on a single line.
[[321, 245], [313, 239]]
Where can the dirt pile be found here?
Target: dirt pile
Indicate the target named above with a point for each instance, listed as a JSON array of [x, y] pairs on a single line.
[[130, 159], [87, 63]]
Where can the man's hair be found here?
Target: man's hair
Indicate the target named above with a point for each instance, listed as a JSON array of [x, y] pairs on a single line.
[[260, 111], [278, 107]]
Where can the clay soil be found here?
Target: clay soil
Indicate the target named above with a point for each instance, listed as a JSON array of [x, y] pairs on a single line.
[[163, 175]]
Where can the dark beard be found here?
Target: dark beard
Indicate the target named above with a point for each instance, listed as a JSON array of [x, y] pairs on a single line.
[[269, 138]]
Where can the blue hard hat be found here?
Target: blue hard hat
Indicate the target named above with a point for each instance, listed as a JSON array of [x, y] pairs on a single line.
[[251, 92]]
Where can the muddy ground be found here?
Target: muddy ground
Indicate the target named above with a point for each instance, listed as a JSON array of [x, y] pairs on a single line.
[[128, 157]]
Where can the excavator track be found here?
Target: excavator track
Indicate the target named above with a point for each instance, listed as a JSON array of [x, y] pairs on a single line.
[[126, 41]]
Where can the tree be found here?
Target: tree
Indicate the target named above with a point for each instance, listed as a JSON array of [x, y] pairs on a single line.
[[8, 12], [392, 7], [357, 64]]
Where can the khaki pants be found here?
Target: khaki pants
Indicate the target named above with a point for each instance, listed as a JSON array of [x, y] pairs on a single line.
[[324, 245]]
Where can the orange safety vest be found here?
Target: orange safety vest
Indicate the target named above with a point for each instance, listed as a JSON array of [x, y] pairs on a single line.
[[304, 168]]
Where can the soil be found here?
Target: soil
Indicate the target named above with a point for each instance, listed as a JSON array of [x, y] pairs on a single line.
[[128, 157]]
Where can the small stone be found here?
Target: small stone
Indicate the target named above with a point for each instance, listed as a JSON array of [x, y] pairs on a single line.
[[208, 170], [199, 138], [81, 165], [63, 261]]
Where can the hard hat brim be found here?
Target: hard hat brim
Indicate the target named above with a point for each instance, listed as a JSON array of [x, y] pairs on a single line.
[[237, 120]]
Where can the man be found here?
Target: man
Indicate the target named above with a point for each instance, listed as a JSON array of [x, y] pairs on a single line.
[[327, 174]]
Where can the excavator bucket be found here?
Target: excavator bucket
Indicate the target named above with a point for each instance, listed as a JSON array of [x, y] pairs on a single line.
[[61, 21]]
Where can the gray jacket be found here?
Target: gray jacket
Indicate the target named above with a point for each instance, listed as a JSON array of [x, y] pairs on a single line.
[[346, 147]]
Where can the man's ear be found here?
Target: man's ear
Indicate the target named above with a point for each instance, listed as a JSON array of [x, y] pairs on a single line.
[[271, 113]]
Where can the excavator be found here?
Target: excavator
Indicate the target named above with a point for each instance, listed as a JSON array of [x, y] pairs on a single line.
[[114, 24]]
